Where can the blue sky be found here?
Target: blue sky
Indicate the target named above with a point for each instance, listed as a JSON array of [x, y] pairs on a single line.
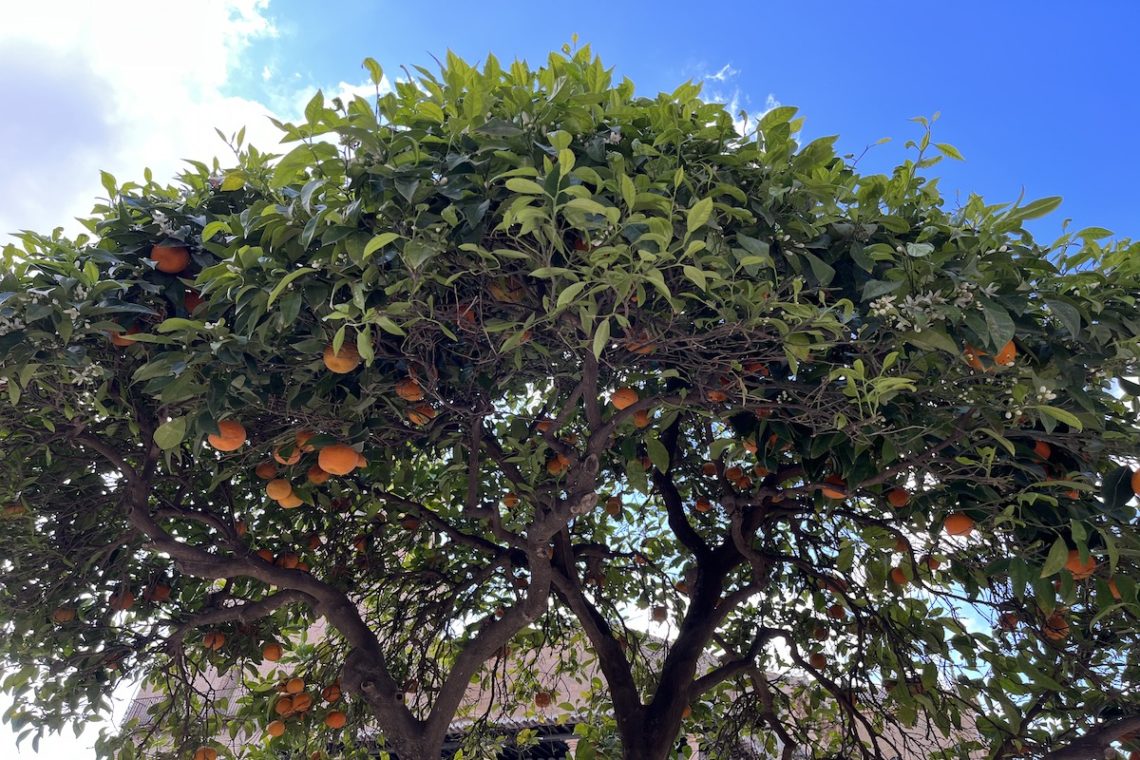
[[1039, 96]]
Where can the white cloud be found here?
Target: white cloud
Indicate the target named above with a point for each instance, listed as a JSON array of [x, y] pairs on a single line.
[[118, 85], [726, 72]]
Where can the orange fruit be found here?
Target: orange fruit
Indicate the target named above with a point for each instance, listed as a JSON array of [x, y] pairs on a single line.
[[898, 577], [302, 439], [265, 554], [641, 418], [1080, 570], [931, 563], [421, 415], [278, 489], [1008, 621], [157, 592], [410, 523], [336, 719], [1056, 627], [317, 476], [898, 497], [409, 389], [1114, 589], [205, 753], [703, 505], [750, 445], [544, 425], [557, 464], [122, 600], [265, 471], [338, 459], [958, 524], [275, 728], [214, 640], [292, 501], [818, 660], [272, 651], [230, 436], [170, 259], [343, 361], [623, 398], [331, 693], [820, 633], [302, 702], [121, 340], [542, 699], [241, 528], [287, 560], [1042, 449], [613, 506], [902, 545], [708, 469], [836, 612], [283, 706], [716, 396], [291, 458], [192, 299], [836, 488], [973, 357], [510, 499], [63, 615], [1006, 355], [294, 686], [1136, 482]]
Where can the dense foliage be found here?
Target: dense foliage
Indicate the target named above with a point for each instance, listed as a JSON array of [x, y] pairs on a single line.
[[565, 360]]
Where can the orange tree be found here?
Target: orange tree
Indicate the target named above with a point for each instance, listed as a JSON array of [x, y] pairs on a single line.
[[511, 359]]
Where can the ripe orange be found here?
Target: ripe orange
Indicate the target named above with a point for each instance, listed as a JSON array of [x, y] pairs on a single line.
[[837, 488], [716, 396], [818, 660], [558, 464], [898, 577], [63, 615], [291, 458], [230, 436], [1056, 627], [283, 706], [820, 633], [302, 702], [336, 719], [659, 614], [733, 474], [750, 445], [1136, 482], [641, 418], [836, 612], [623, 398], [708, 469], [898, 497], [1042, 449], [214, 640], [121, 340], [265, 470], [687, 712], [344, 361], [421, 414], [331, 693], [931, 563], [1080, 570], [157, 592], [292, 501], [542, 699], [410, 523], [122, 600], [510, 499], [287, 560], [265, 555], [241, 528], [973, 357], [338, 459], [192, 299], [205, 753], [703, 505], [317, 476], [170, 259], [275, 728], [544, 425], [1114, 589], [1006, 355], [294, 686], [902, 545], [1008, 621], [958, 524], [409, 389], [278, 489], [272, 651], [613, 506]]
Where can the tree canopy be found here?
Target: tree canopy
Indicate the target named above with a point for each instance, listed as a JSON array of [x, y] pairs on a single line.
[[512, 359]]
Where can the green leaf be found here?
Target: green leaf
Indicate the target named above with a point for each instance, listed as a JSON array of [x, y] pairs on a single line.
[[698, 215], [628, 192], [697, 276], [1060, 415], [280, 287], [375, 73], [1057, 558], [601, 338], [824, 272], [171, 433], [569, 293], [1036, 209], [949, 151], [233, 181], [657, 453], [998, 323], [1068, 314], [1116, 488], [416, 254], [525, 186], [213, 228], [1001, 439], [378, 242]]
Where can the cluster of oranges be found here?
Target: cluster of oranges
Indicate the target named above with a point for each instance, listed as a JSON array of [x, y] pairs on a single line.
[[296, 702]]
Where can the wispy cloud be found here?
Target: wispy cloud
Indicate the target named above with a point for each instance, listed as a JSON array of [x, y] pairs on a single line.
[[726, 72]]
